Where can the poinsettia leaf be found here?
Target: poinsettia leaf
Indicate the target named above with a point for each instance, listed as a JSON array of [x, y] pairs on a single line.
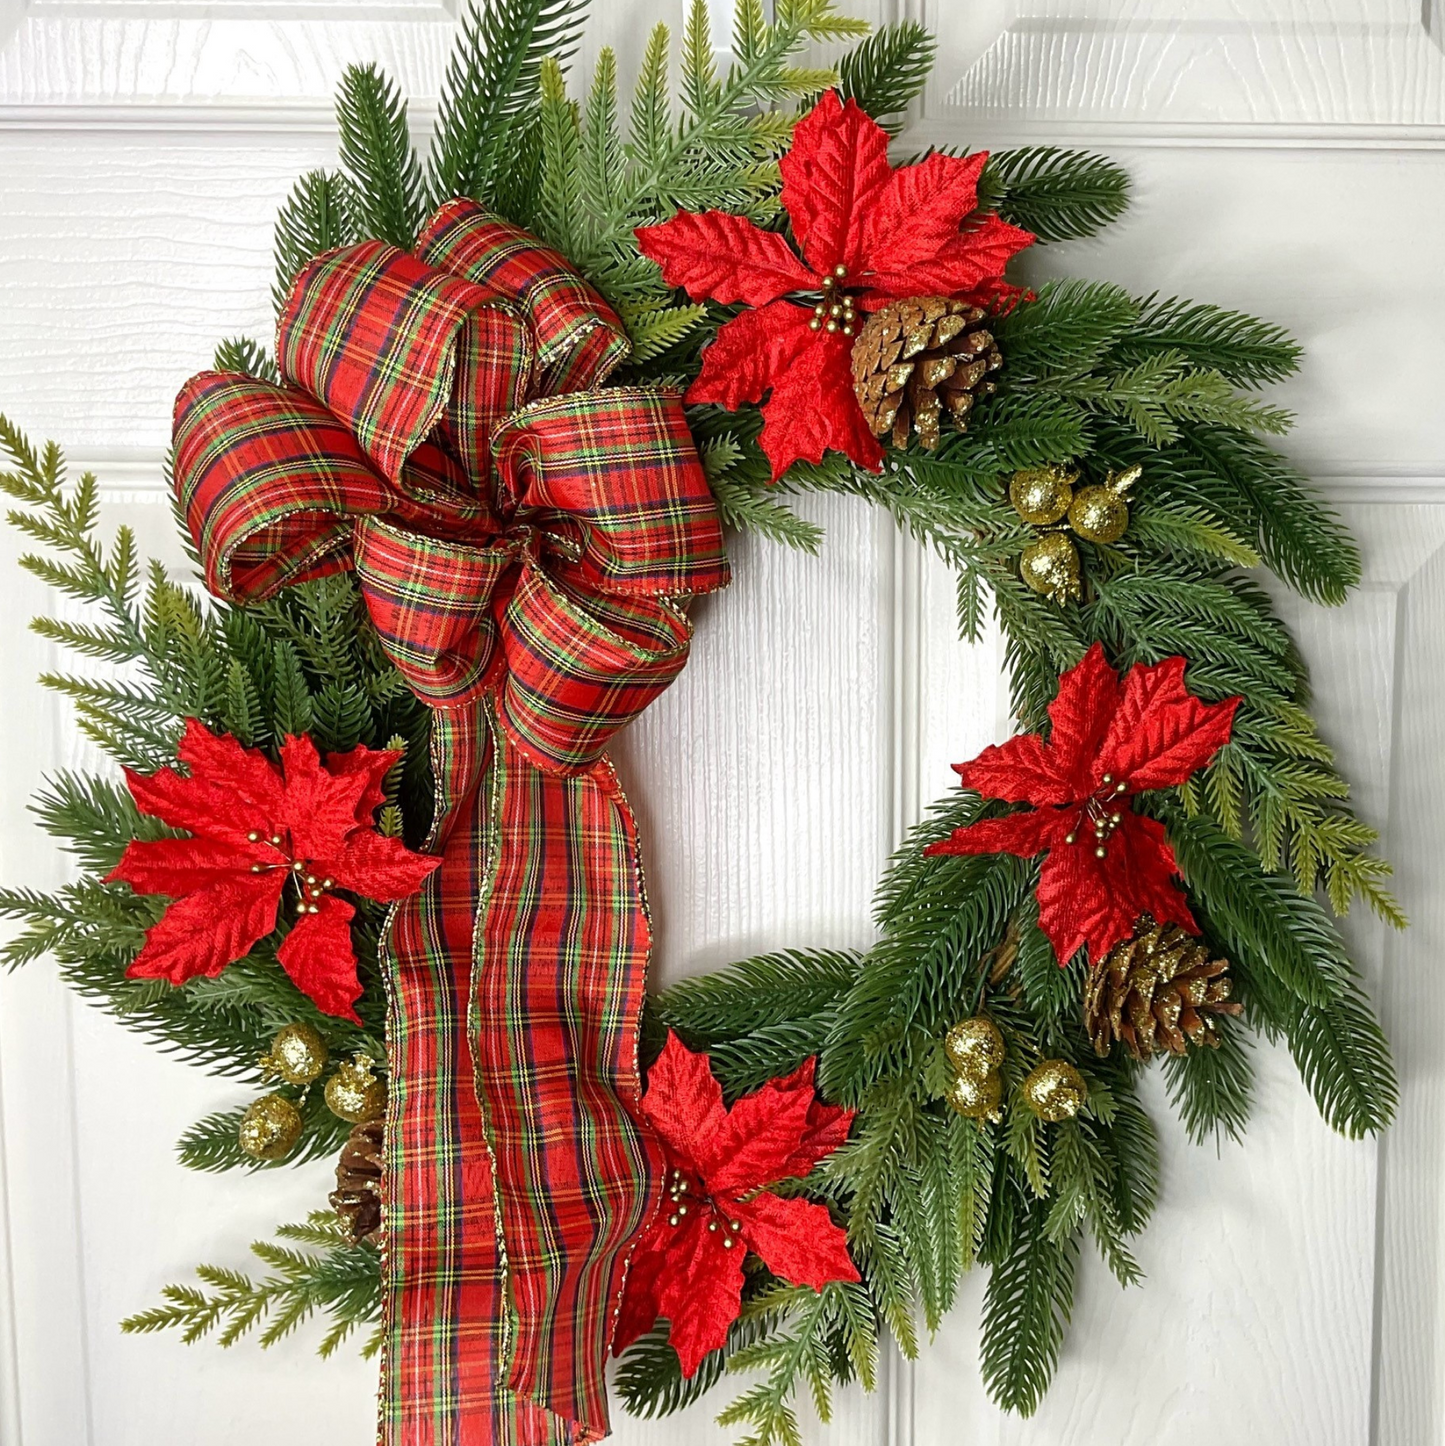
[[1088, 901], [919, 211], [969, 265], [813, 409], [683, 1103], [835, 170], [202, 805], [208, 929], [320, 807], [700, 1289], [1021, 770], [375, 764], [1025, 834], [318, 956], [639, 1310], [752, 352], [724, 257], [180, 866], [1161, 733], [251, 780], [758, 1139], [796, 1239], [378, 867], [1080, 716]]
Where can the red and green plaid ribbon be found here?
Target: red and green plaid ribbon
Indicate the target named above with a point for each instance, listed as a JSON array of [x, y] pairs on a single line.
[[521, 537]]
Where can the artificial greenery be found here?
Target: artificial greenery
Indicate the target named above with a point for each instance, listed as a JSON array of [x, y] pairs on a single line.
[[1093, 376]]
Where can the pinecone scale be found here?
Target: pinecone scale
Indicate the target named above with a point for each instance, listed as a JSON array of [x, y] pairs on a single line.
[[357, 1197], [1157, 992], [920, 358]]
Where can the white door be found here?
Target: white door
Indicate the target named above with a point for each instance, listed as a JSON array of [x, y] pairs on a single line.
[[1288, 161]]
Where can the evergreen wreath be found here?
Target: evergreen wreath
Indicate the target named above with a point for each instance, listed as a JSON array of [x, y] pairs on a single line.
[[1091, 465]]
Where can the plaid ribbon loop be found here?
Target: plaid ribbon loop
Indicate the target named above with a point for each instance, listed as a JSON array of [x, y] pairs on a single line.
[[521, 537]]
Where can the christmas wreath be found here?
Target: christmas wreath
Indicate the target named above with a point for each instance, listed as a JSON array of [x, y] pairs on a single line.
[[369, 856]]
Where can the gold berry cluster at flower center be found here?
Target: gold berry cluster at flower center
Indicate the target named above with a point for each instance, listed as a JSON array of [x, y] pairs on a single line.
[[835, 311], [680, 1193], [310, 887], [1099, 816]]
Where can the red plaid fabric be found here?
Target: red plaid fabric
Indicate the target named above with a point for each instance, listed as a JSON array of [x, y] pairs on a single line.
[[520, 553]]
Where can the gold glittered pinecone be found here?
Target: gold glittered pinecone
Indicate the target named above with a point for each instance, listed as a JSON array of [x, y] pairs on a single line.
[[1155, 992], [916, 359], [357, 1196]]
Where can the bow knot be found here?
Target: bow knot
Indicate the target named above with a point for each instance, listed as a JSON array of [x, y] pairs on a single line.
[[514, 529]]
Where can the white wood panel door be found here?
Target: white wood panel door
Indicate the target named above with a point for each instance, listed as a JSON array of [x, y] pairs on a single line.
[[1290, 159]]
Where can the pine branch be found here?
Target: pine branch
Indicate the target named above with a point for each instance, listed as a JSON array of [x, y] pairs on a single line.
[[1213, 1089], [1057, 194], [340, 1281], [492, 87], [318, 215], [888, 70], [241, 354], [1245, 351], [1026, 1309], [376, 154]]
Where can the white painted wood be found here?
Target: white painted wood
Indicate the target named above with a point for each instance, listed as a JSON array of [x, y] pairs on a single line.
[[1231, 69], [1286, 161]]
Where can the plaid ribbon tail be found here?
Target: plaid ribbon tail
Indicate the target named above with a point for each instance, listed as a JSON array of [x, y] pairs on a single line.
[[514, 1028], [522, 538]]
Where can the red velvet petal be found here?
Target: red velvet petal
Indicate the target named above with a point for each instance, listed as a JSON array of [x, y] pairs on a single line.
[[918, 213], [1161, 733], [1022, 770], [826, 1130], [212, 802], [375, 763], [1085, 900], [683, 1103], [639, 1310], [180, 866], [1080, 713], [834, 173], [213, 927], [699, 1289], [320, 807], [317, 955], [796, 1239], [752, 352], [724, 257], [971, 261], [760, 1136], [251, 777], [377, 867], [1025, 834], [813, 409]]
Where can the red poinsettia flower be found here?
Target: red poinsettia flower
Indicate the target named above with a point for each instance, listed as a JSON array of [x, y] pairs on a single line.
[[867, 233], [688, 1264], [255, 830], [1106, 865]]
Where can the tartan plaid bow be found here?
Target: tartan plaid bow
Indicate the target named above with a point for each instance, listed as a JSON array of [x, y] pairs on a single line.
[[520, 537]]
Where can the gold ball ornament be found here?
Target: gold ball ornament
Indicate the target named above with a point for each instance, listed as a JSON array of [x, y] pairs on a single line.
[[974, 1046], [1055, 1090], [270, 1128], [1051, 566], [354, 1093], [297, 1055], [977, 1096], [1041, 495], [1100, 514]]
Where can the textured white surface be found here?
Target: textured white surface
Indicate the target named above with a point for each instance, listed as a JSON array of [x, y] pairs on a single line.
[[143, 149], [1246, 65]]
